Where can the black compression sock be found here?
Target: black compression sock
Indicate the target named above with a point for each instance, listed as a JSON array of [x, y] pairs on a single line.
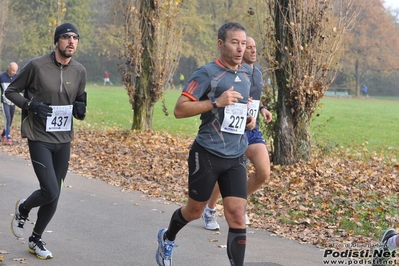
[[177, 222], [236, 243]]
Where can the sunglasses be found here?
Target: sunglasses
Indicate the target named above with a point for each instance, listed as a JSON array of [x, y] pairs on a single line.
[[67, 36]]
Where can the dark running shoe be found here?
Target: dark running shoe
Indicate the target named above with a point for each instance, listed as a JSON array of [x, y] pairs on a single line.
[[381, 253]]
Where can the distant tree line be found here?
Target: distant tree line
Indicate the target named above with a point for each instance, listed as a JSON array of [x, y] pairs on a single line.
[[305, 46], [26, 28]]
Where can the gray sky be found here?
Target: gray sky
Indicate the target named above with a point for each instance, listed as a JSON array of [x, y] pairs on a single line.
[[393, 4]]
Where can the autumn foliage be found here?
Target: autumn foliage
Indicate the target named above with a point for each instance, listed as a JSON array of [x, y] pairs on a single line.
[[323, 202]]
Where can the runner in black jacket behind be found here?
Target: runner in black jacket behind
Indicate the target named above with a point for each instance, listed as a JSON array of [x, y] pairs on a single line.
[[54, 91]]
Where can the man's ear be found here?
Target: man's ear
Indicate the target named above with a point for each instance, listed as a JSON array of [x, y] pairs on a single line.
[[220, 43]]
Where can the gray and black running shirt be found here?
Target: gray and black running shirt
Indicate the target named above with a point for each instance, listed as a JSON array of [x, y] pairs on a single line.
[[256, 83], [212, 80], [256, 86]]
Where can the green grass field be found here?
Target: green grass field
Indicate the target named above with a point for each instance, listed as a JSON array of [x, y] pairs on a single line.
[[109, 108], [346, 123], [353, 123]]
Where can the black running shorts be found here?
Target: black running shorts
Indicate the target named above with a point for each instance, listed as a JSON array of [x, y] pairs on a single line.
[[205, 169]]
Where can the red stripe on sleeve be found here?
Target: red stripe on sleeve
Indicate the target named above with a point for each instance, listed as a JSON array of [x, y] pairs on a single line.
[[189, 96], [191, 87]]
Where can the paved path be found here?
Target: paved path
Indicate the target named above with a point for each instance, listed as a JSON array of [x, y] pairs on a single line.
[[98, 225]]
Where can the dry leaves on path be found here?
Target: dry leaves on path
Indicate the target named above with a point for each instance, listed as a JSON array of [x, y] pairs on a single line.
[[308, 202]]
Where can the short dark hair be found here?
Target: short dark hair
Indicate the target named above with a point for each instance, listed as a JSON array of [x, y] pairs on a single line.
[[228, 26]]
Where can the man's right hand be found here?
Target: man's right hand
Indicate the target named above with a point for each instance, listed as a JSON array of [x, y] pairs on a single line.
[[40, 109], [229, 97]]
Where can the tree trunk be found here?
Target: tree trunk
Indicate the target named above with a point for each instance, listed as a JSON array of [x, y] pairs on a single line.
[[143, 106], [291, 137], [302, 139], [143, 112], [283, 134], [3, 24], [357, 78], [304, 47], [151, 48]]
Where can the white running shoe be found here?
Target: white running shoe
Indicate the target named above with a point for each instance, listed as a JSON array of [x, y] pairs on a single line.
[[247, 221], [39, 250], [163, 256], [18, 221], [210, 222]]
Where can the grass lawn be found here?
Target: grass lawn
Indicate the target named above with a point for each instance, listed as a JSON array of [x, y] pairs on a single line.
[[369, 123], [109, 108], [353, 123]]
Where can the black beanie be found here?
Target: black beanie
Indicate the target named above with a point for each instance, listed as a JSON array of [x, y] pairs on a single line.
[[64, 28]]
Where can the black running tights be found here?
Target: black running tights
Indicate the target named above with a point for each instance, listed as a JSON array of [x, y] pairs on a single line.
[[50, 162]]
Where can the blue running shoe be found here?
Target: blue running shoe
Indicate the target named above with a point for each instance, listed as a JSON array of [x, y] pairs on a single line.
[[163, 255]]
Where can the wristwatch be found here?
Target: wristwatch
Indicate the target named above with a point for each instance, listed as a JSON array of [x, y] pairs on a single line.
[[262, 107], [213, 101]]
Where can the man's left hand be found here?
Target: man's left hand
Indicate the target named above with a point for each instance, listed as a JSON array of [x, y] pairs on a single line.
[[267, 116], [251, 122]]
